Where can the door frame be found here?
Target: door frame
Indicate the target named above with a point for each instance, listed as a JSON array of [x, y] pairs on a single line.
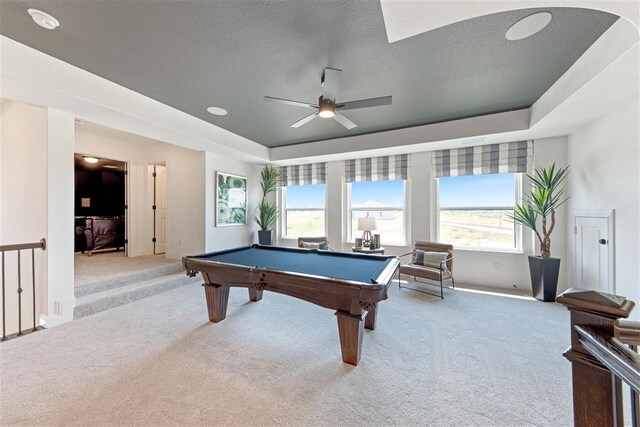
[[127, 190], [609, 215]]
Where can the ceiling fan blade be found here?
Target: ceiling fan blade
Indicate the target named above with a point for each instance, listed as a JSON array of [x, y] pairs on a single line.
[[344, 121], [365, 103], [289, 102], [304, 120], [330, 83]]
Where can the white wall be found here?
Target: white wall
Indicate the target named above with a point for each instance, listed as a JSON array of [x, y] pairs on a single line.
[[135, 155], [190, 198], [36, 201], [23, 201], [60, 206], [218, 238], [185, 199], [492, 269], [605, 158]]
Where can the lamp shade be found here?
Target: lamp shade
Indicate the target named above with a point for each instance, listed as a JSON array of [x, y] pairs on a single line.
[[367, 224]]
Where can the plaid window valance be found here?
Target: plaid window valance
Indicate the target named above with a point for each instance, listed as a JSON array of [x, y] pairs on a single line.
[[385, 168], [510, 157], [312, 173]]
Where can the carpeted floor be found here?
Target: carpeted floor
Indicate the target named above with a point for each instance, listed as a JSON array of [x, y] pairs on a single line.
[[470, 359], [89, 269]]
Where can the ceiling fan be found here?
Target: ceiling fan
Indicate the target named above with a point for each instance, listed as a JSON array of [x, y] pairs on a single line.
[[327, 107]]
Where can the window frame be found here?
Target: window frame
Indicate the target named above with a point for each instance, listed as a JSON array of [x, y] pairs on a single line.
[[518, 230], [282, 220], [347, 230]]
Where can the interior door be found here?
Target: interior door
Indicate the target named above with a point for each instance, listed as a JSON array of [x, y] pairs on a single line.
[[160, 246], [593, 253]]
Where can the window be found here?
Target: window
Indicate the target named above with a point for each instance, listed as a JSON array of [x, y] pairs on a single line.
[[383, 200], [473, 211], [305, 211]]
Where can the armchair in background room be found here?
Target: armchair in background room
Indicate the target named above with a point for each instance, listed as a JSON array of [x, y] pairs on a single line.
[[314, 243], [431, 261]]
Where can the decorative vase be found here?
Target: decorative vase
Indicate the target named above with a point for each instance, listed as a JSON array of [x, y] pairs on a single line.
[[544, 277], [376, 239], [265, 237]]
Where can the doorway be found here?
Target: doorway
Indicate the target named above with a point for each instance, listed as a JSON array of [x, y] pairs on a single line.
[[100, 205], [593, 250], [159, 207]]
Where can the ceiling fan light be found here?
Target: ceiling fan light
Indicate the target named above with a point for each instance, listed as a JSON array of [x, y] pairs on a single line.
[[327, 110], [326, 114]]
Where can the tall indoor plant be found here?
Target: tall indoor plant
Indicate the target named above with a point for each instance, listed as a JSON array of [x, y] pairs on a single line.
[[539, 207], [267, 214]]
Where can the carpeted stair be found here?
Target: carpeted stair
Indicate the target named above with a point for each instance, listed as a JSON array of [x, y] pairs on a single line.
[[102, 295]]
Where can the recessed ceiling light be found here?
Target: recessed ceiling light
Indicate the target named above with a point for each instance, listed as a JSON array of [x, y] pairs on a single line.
[[91, 160], [217, 111], [43, 19], [528, 26]]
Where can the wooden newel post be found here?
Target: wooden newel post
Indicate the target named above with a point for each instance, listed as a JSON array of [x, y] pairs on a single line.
[[594, 401]]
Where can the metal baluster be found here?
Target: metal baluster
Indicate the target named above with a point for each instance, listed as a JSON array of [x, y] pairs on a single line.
[[19, 298], [615, 398], [4, 322], [33, 275], [635, 405]]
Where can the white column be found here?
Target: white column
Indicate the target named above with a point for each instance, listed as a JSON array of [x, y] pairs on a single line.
[[334, 209], [60, 191]]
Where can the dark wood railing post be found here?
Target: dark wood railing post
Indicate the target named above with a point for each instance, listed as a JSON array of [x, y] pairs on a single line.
[[594, 393]]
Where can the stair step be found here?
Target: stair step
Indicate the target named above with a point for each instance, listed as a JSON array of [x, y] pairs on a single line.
[[110, 298], [123, 279]]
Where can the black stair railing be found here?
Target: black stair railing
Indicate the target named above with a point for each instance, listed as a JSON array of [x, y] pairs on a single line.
[[42, 244]]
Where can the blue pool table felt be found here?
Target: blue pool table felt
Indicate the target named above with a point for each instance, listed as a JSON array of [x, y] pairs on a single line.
[[336, 265]]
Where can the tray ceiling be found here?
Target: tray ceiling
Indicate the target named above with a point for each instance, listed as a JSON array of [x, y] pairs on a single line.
[[191, 55]]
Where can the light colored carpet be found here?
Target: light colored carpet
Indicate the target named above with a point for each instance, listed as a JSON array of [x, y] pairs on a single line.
[[109, 269], [470, 359], [107, 280], [100, 301]]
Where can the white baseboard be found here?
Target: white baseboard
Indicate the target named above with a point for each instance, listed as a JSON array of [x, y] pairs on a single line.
[[63, 313]]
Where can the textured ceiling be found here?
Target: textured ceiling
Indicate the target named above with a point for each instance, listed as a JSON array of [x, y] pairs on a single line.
[[231, 54]]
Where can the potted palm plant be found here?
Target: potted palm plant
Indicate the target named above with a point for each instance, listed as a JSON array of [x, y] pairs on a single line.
[[267, 214], [539, 207]]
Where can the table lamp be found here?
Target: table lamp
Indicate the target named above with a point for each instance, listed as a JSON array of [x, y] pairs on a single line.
[[367, 225]]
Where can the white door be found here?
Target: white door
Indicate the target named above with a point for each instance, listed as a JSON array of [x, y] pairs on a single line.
[[593, 251], [161, 209]]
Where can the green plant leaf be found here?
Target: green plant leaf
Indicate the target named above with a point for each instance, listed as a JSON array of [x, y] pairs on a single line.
[[545, 196], [268, 213]]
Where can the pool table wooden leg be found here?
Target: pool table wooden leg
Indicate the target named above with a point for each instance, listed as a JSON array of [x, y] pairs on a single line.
[[217, 299], [254, 294], [351, 330], [370, 320]]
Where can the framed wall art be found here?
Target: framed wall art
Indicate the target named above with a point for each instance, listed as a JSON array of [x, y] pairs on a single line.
[[231, 199]]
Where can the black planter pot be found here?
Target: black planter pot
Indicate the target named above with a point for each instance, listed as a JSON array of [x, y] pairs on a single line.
[[544, 277], [265, 237]]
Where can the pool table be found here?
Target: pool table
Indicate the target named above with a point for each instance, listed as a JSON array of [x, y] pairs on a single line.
[[351, 284]]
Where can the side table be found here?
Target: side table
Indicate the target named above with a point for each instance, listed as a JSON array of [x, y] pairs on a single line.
[[366, 250]]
